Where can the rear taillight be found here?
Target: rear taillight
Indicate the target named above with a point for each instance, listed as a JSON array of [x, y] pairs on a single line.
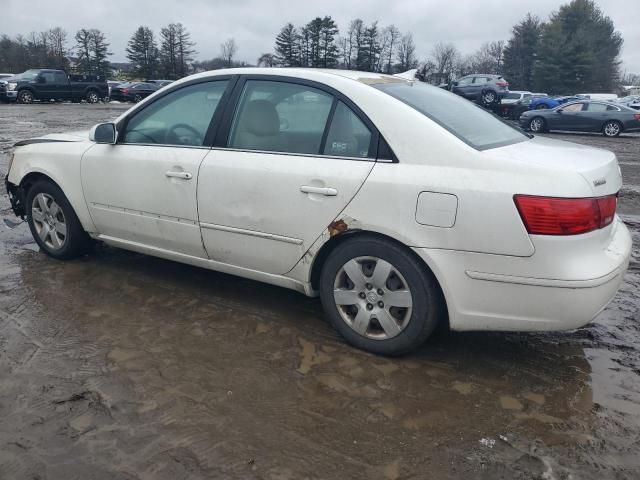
[[502, 84], [565, 216], [636, 116], [125, 90]]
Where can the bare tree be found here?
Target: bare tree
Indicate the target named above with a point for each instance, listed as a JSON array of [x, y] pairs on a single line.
[[390, 39], [445, 56], [489, 58], [266, 60], [228, 50], [406, 53]]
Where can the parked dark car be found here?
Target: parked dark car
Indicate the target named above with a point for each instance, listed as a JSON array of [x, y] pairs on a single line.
[[483, 88], [161, 83], [133, 91], [584, 116], [514, 110], [49, 84], [632, 101]]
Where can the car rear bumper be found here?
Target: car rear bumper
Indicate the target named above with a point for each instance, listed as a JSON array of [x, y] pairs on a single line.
[[509, 300]]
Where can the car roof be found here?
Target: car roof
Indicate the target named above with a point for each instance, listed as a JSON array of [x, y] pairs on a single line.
[[314, 74]]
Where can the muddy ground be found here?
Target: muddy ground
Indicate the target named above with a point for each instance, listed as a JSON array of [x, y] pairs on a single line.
[[122, 366]]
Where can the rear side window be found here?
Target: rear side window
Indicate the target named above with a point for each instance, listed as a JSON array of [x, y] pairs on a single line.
[[180, 118], [597, 107], [348, 136], [280, 117], [470, 123]]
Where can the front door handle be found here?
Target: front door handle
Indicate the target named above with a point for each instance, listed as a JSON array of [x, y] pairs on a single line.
[[182, 175], [326, 191]]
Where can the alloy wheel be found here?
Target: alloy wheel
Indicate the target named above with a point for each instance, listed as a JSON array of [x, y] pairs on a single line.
[[26, 97], [92, 97], [49, 221], [612, 129], [536, 125], [489, 97], [373, 298]]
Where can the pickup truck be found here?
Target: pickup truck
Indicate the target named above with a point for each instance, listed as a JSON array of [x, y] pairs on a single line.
[[48, 84]]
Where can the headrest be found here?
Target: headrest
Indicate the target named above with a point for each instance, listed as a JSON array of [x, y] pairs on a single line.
[[261, 118]]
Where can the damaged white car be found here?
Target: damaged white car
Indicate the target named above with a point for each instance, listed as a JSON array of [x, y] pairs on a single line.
[[402, 205]]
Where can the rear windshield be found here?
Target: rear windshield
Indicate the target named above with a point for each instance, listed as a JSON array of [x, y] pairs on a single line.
[[470, 123]]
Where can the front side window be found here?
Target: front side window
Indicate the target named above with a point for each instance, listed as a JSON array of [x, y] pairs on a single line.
[[348, 136], [179, 118], [574, 107], [470, 123], [465, 81], [280, 117]]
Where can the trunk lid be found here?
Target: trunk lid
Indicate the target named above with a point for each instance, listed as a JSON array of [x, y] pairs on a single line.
[[598, 167]]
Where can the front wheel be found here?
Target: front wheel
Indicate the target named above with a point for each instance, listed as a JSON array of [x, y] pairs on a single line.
[[25, 96], [537, 125], [137, 98], [53, 223], [611, 129], [379, 297]]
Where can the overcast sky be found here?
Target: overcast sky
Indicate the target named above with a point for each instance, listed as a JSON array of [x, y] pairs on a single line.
[[255, 23]]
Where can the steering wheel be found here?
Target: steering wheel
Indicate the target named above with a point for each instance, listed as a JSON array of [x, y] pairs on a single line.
[[194, 139]]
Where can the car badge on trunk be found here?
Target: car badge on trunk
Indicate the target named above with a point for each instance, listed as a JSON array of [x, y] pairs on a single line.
[[599, 181]]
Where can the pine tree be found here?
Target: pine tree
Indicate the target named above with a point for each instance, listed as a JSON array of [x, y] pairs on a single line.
[[578, 51], [520, 52], [287, 46], [169, 51], [83, 50], [328, 47], [142, 52], [99, 51], [185, 50]]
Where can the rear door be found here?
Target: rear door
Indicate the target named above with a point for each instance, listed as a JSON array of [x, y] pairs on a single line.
[[289, 158], [62, 85], [597, 114]]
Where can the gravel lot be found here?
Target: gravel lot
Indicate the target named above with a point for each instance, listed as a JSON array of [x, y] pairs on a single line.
[[122, 366]]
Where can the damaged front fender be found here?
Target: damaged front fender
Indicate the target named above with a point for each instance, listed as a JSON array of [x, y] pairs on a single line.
[[16, 198]]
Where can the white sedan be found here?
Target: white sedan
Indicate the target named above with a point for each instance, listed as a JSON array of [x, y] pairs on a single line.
[[402, 205]]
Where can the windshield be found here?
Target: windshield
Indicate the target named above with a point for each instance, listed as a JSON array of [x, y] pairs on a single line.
[[28, 75], [470, 123]]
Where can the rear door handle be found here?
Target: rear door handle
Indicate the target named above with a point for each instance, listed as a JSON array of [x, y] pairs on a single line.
[[182, 175], [326, 191]]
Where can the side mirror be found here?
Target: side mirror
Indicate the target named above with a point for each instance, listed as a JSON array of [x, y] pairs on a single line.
[[559, 110], [103, 133]]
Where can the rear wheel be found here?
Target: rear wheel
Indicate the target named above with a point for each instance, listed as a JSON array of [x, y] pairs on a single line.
[[92, 97], [537, 125], [612, 128], [25, 96], [379, 297], [53, 223], [489, 97]]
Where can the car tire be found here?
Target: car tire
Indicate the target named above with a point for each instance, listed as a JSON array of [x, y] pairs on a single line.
[[382, 271], [542, 106], [611, 128], [488, 97], [25, 96], [92, 97], [538, 125], [137, 98], [53, 222]]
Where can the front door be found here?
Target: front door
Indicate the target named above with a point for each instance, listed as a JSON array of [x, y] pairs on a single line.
[[569, 117], [295, 157], [143, 189]]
